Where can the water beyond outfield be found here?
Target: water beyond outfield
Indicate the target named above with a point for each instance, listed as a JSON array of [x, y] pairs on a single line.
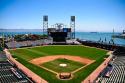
[[104, 36]]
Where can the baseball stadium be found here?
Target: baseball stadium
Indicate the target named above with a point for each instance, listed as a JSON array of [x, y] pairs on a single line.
[[58, 57]]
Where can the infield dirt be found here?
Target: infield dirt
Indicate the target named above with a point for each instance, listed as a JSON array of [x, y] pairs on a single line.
[[45, 59]]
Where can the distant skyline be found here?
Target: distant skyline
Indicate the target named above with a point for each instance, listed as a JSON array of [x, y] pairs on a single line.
[[91, 15]]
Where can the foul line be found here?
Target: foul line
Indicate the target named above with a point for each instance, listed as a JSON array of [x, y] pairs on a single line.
[[82, 67]]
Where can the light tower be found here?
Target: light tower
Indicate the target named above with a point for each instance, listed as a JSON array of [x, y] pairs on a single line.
[[45, 24], [72, 26]]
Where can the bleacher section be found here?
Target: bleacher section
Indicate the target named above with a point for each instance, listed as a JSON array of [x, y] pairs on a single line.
[[5, 64], [2, 56], [118, 73], [72, 41], [15, 44], [9, 73]]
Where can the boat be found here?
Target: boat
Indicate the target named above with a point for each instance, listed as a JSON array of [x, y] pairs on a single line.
[[122, 36], [93, 32]]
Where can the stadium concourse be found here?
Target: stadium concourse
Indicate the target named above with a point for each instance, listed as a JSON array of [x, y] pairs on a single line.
[[9, 73]]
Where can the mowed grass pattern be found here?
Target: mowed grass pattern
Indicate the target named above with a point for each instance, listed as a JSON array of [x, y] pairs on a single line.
[[31, 53], [24, 55], [54, 65]]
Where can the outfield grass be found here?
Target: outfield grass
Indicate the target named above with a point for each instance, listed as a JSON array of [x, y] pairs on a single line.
[[31, 53], [54, 65], [24, 55]]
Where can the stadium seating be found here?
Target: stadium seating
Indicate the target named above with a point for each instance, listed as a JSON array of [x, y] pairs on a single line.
[[15, 44], [2, 55], [72, 41], [118, 73], [8, 76]]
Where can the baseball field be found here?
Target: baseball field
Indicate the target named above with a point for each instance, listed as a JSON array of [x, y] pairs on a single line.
[[46, 61]]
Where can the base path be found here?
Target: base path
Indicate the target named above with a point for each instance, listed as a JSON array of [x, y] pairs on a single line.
[[42, 60]]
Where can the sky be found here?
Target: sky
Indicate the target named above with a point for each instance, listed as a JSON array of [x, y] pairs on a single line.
[[91, 15]]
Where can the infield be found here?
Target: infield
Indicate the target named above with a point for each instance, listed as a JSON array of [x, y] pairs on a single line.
[[51, 63], [55, 65]]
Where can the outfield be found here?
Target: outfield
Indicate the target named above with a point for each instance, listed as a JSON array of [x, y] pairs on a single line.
[[25, 55]]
